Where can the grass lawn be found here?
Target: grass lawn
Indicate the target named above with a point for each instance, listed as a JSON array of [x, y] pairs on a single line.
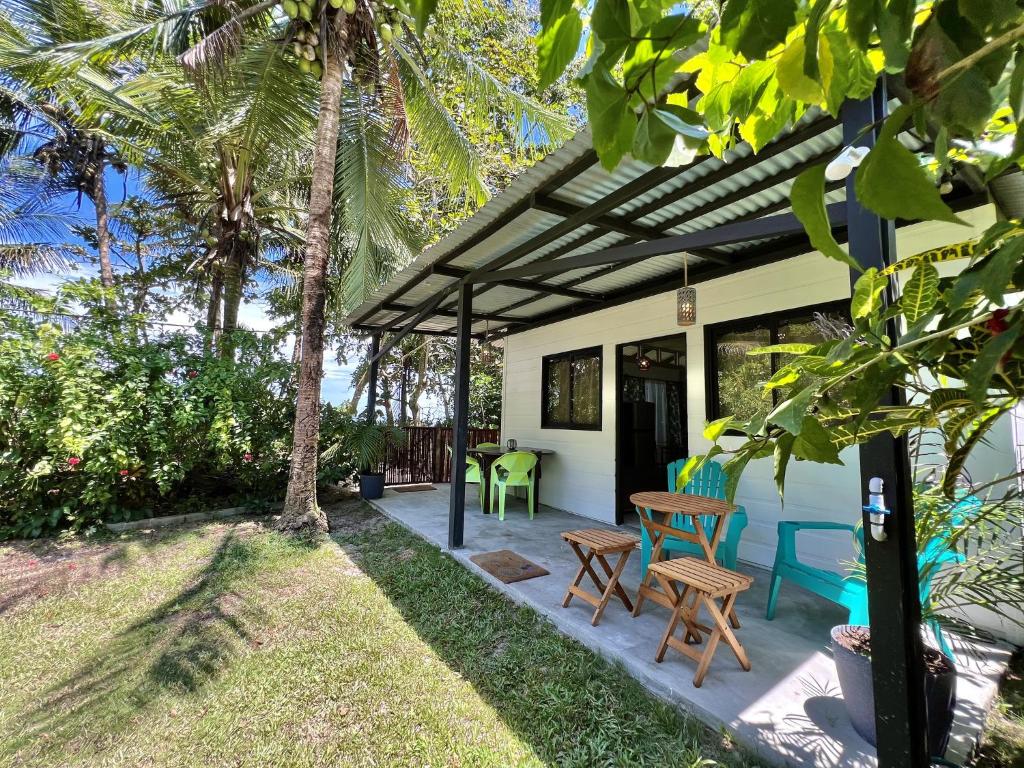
[[229, 645]]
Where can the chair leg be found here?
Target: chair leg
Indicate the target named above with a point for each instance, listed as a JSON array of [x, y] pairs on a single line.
[[530, 499], [494, 493], [773, 595], [501, 504]]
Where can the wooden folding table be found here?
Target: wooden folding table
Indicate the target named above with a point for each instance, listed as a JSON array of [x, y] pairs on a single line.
[[667, 505]]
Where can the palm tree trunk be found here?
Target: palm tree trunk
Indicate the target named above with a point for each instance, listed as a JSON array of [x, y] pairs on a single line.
[[99, 202], [213, 310], [301, 513], [234, 280]]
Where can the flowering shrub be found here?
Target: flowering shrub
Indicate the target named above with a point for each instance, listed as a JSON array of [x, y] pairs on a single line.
[[107, 420]]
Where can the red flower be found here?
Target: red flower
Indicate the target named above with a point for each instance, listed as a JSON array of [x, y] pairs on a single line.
[[71, 566], [123, 473], [74, 461], [53, 356], [997, 323], [247, 457], [192, 374]]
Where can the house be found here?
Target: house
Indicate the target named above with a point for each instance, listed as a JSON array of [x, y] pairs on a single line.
[[574, 271]]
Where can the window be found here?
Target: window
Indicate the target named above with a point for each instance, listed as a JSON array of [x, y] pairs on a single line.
[[571, 396], [735, 378]]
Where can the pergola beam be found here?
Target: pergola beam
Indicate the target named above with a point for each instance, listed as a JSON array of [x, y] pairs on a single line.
[[526, 285], [726, 234], [494, 318]]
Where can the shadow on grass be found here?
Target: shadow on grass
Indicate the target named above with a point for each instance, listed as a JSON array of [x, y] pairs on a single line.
[[179, 646], [570, 705]]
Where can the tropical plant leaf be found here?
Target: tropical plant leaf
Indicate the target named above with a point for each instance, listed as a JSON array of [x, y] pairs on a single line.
[[920, 292]]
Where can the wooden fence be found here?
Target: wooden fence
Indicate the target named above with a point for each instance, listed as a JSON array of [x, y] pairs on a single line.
[[423, 458]]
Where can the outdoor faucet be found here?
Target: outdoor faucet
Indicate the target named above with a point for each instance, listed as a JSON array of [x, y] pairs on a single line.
[[876, 509]]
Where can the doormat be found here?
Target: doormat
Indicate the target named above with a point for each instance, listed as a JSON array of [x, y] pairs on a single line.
[[508, 567], [413, 488]]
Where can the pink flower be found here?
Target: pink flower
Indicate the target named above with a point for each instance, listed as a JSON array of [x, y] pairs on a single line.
[[74, 461], [123, 473], [53, 356], [247, 457], [71, 566]]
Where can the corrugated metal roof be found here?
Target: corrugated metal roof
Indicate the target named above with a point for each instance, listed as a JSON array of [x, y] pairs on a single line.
[[707, 193]]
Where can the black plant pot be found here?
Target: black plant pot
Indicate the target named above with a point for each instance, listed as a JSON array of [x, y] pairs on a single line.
[[854, 670], [371, 486]]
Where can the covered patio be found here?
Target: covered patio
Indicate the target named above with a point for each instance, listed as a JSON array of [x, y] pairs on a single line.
[[787, 708], [574, 260]]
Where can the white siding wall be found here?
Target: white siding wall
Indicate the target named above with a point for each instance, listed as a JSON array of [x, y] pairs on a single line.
[[580, 477]]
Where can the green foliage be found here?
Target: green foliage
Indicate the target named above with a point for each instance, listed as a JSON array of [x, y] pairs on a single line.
[[366, 442], [99, 422]]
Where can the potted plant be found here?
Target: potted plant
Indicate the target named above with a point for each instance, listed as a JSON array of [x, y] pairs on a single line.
[[366, 443], [851, 650]]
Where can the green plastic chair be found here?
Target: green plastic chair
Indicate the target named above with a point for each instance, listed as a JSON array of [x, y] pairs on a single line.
[[708, 481], [473, 471], [514, 469]]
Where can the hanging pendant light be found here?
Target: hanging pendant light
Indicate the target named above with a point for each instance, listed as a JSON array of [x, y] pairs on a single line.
[[686, 299], [642, 361]]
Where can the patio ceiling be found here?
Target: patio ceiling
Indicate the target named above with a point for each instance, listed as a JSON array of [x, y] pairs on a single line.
[[625, 234]]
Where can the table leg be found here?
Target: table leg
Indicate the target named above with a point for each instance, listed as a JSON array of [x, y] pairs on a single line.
[[485, 477]]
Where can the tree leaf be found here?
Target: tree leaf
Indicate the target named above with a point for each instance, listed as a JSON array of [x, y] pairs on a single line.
[[814, 443], [715, 429], [670, 115], [792, 79], [892, 182], [867, 292], [654, 139], [920, 293], [748, 88], [612, 122], [754, 27], [980, 375], [860, 20], [789, 414], [813, 26], [783, 450], [557, 45], [611, 23], [808, 199]]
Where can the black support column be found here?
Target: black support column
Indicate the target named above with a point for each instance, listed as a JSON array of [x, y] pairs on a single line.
[[894, 604], [460, 429], [371, 386]]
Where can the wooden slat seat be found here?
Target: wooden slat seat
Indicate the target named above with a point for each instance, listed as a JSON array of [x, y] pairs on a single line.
[[699, 574], [592, 544], [703, 584]]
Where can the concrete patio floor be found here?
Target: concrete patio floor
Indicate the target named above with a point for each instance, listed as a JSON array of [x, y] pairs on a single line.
[[788, 708]]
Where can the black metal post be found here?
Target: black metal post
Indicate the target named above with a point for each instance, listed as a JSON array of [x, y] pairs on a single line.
[[371, 386], [897, 662], [460, 429]]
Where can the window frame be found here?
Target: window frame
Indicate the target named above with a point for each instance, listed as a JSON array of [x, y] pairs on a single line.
[[571, 356], [771, 320]]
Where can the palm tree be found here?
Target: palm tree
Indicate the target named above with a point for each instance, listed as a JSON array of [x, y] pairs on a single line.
[[367, 73]]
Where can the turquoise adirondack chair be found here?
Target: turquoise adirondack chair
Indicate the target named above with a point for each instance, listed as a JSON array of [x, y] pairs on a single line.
[[708, 481], [512, 470], [851, 592]]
